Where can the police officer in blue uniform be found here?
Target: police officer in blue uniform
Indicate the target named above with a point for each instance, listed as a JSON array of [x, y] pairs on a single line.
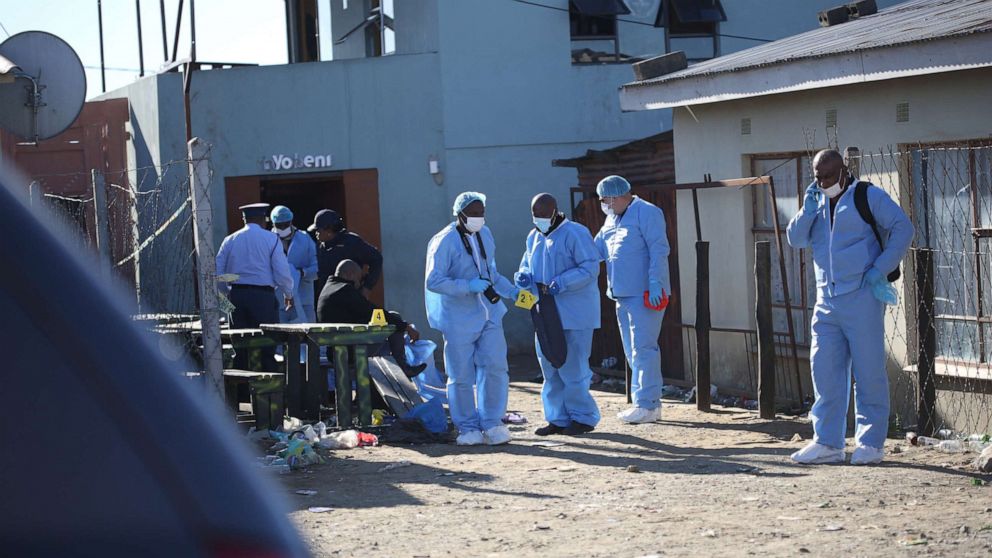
[[254, 255]]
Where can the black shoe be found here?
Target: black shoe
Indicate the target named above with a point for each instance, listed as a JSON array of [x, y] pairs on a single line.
[[577, 428], [412, 371], [549, 429]]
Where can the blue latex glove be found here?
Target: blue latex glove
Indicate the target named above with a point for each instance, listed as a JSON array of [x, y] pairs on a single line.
[[874, 277], [885, 293], [655, 293], [523, 280], [812, 201], [477, 285], [554, 288]]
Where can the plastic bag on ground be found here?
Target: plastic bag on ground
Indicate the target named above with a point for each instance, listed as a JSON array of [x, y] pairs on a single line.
[[430, 383], [431, 414]]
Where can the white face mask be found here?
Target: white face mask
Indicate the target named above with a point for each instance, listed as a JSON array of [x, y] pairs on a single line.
[[607, 208], [474, 224], [832, 191], [284, 233], [543, 224]]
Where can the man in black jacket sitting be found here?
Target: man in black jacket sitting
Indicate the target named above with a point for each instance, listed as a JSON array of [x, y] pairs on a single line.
[[341, 302]]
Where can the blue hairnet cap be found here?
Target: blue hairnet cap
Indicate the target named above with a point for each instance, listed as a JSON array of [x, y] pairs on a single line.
[[611, 186], [281, 214], [466, 198]]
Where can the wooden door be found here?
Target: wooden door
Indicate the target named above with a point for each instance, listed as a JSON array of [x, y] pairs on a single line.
[[361, 215], [240, 190]]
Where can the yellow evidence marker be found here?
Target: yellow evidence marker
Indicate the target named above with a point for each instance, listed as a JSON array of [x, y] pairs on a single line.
[[378, 317], [525, 299]]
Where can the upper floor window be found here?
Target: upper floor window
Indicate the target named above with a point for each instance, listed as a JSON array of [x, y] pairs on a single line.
[[692, 26], [593, 27]]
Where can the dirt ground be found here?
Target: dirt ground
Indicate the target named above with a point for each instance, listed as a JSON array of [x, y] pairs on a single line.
[[717, 484]]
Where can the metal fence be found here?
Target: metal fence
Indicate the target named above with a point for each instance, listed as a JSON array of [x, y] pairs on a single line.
[[136, 225], [938, 337]]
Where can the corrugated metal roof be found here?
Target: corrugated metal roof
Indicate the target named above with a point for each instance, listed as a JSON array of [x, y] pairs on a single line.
[[911, 22]]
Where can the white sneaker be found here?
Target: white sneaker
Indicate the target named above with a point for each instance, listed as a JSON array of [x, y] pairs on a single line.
[[867, 455], [639, 415], [818, 453], [497, 435], [470, 438]]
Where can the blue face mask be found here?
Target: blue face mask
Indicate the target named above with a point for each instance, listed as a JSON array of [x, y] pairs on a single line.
[[542, 224]]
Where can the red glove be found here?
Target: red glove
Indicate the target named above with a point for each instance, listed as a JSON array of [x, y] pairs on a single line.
[[661, 305]]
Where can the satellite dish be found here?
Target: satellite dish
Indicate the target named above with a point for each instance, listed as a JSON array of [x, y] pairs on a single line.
[[43, 85]]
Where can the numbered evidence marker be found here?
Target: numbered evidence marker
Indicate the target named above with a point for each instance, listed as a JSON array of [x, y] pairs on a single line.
[[378, 317], [526, 300]]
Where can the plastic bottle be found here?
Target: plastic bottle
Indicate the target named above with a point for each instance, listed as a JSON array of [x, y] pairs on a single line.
[[945, 433], [321, 429], [926, 441], [309, 434], [340, 440], [951, 446]]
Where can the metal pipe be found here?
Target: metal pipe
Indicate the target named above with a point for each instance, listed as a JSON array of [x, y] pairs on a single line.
[[179, 24], [141, 47], [165, 35], [192, 29], [103, 68]]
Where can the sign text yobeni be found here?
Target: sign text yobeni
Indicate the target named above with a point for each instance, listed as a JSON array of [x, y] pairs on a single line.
[[295, 161]]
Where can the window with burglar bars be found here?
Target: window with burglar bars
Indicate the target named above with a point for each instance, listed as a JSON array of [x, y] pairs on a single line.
[[791, 174], [952, 205]]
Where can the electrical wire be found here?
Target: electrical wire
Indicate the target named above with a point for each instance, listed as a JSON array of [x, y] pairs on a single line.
[[635, 22], [4, 29]]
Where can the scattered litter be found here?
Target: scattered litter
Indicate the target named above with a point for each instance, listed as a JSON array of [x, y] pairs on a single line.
[[319, 509], [831, 528], [514, 417], [787, 518], [896, 449], [306, 492], [348, 439], [543, 444], [709, 533], [378, 416], [796, 438], [392, 466], [977, 482], [633, 469], [541, 527], [914, 540]]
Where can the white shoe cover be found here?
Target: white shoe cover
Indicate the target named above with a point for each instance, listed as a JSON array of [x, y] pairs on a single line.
[[470, 438], [867, 455], [497, 435], [818, 453], [639, 415]]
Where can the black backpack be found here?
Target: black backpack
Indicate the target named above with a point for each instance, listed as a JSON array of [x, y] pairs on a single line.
[[861, 202]]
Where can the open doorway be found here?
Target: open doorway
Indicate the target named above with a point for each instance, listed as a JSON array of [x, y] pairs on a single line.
[[354, 194]]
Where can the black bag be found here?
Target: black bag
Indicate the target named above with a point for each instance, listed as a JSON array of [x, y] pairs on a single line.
[[547, 324], [861, 202]]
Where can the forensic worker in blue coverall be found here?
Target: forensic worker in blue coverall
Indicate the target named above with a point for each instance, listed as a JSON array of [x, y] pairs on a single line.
[[463, 296], [254, 255], [561, 255], [634, 243], [851, 291], [301, 254]]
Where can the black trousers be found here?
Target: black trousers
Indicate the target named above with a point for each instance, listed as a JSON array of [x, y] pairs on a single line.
[[254, 305]]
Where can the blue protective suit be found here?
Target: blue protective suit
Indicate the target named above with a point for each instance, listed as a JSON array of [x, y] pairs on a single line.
[[474, 343], [302, 258], [567, 256], [635, 247], [847, 326]]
